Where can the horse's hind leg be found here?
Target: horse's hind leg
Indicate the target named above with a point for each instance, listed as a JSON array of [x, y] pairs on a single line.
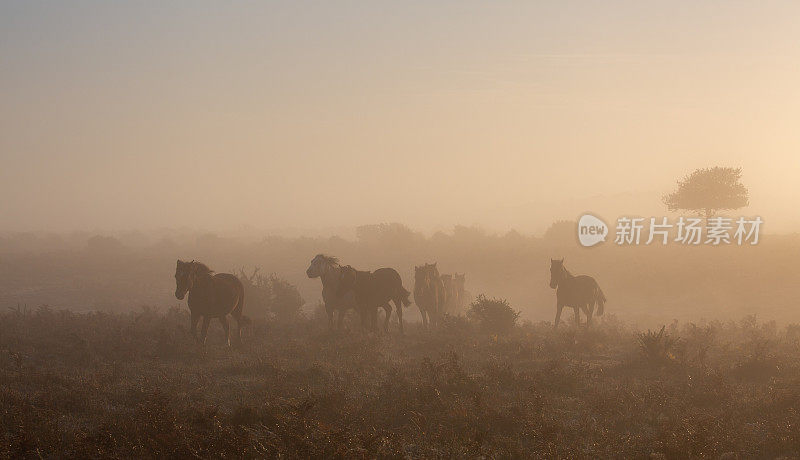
[[224, 320], [237, 315], [577, 315]]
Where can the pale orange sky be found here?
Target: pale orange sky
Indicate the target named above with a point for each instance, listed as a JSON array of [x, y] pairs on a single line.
[[326, 114]]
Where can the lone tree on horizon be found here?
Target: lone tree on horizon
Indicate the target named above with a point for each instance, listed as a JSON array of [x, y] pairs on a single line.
[[708, 190]]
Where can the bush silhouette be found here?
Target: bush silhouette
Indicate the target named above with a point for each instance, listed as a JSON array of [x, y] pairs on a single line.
[[494, 316], [271, 295]]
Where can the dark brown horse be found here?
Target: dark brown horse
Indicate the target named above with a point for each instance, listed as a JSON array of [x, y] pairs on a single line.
[[429, 293], [210, 296], [327, 269], [373, 290], [579, 292]]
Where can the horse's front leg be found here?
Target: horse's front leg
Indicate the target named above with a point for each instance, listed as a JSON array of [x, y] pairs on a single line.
[[331, 315], [577, 315], [398, 304], [195, 319], [387, 308], [204, 332], [367, 321], [340, 318], [559, 307]]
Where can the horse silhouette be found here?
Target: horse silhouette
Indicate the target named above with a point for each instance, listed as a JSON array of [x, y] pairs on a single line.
[[373, 290], [210, 296], [328, 270], [454, 292], [459, 293], [429, 294], [580, 292]]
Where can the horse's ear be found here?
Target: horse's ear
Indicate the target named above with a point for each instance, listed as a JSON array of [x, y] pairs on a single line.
[[562, 259]]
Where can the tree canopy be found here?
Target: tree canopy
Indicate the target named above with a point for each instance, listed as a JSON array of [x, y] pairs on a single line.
[[708, 190]]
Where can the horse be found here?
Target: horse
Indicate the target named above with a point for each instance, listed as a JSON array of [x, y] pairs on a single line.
[[454, 292], [579, 292], [449, 287], [327, 268], [210, 296], [373, 290], [459, 292], [429, 293]]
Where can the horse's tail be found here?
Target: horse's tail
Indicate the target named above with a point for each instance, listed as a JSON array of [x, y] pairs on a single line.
[[601, 301]]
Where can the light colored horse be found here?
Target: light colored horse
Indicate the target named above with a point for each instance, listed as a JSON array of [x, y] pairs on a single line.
[[459, 292], [429, 294], [454, 292]]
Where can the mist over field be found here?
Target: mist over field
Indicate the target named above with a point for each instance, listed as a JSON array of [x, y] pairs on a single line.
[[646, 285]]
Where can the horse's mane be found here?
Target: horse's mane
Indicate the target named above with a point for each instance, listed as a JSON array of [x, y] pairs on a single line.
[[328, 259], [202, 269]]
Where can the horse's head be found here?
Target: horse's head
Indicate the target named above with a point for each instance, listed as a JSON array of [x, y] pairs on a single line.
[[423, 276], [347, 280], [185, 274], [320, 265], [556, 271]]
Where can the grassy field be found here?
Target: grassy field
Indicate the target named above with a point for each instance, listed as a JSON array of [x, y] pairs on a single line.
[[135, 385]]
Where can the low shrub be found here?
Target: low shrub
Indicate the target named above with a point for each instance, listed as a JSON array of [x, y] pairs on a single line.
[[494, 316]]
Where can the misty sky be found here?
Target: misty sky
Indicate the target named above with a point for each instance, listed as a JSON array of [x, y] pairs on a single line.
[[216, 115]]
